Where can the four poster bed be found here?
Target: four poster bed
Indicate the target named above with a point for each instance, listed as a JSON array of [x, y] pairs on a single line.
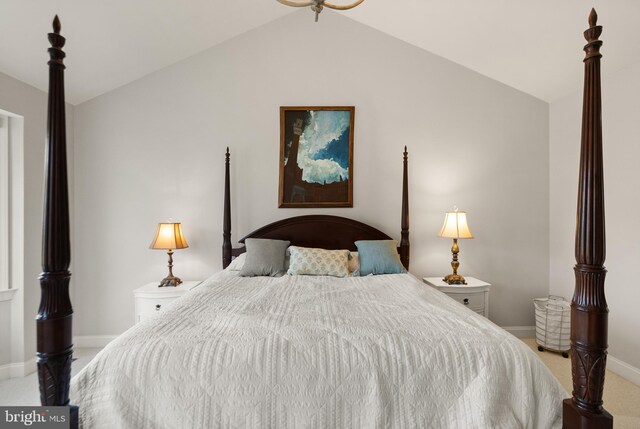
[[288, 351]]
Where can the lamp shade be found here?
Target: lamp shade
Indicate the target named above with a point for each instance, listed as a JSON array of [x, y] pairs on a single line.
[[455, 226], [169, 236]]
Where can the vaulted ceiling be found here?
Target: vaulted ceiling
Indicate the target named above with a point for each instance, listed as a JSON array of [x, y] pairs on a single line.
[[531, 45]]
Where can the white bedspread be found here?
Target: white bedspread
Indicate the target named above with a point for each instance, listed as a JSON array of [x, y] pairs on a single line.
[[316, 352]]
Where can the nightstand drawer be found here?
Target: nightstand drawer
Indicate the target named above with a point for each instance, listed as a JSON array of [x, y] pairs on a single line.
[[474, 301], [152, 305], [474, 295], [151, 299]]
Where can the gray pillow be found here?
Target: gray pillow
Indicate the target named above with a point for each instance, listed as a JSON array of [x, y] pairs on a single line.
[[264, 257]]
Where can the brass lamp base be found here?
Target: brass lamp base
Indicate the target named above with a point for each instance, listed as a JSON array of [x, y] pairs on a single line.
[[170, 281], [454, 279]]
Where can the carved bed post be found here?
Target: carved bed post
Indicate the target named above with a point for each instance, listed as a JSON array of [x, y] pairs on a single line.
[[226, 222], [589, 312], [53, 322], [404, 242]]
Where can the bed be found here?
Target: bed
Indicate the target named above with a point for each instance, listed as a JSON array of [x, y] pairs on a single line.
[[317, 352], [301, 351]]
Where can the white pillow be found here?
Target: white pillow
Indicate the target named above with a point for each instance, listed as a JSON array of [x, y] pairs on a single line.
[[318, 262], [354, 262], [238, 262]]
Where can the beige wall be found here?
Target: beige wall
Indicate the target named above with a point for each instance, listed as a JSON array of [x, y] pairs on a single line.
[[154, 149], [621, 128]]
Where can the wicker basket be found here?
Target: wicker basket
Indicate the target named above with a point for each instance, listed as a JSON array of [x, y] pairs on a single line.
[[553, 324]]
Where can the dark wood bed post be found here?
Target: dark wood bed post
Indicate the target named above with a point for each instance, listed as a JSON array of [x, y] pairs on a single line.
[[404, 242], [589, 312], [53, 322], [226, 222]]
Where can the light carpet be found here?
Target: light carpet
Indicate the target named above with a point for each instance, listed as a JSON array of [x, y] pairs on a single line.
[[24, 390], [621, 397]]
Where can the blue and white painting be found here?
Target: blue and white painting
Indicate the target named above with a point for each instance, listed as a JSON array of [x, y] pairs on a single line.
[[316, 145]]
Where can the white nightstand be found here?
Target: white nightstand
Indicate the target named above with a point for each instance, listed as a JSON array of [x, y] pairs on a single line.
[[150, 298], [475, 294]]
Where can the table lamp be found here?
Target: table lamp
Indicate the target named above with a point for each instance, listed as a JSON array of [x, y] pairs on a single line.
[[455, 226], [169, 237]]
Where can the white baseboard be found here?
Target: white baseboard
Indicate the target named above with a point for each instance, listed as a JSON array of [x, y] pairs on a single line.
[[92, 341], [22, 369], [521, 331], [623, 369], [17, 369]]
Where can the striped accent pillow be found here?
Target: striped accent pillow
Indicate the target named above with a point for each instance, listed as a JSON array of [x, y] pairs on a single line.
[[318, 262]]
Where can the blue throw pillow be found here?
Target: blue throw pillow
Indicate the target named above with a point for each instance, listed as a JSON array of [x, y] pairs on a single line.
[[379, 257]]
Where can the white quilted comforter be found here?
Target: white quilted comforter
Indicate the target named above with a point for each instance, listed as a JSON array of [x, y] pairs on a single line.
[[316, 352]]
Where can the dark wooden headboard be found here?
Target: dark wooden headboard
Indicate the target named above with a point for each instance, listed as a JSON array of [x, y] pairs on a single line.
[[323, 231]]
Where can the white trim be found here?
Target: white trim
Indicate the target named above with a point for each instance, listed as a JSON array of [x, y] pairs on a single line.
[[16, 343], [7, 294], [521, 331], [5, 192], [92, 341], [623, 369], [17, 369]]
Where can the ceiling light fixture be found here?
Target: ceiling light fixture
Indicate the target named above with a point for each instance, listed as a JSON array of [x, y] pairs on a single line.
[[318, 5]]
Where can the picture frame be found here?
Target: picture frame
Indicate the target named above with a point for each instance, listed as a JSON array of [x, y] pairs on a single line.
[[316, 156]]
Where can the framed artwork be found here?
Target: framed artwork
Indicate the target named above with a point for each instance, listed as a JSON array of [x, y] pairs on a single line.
[[316, 156]]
